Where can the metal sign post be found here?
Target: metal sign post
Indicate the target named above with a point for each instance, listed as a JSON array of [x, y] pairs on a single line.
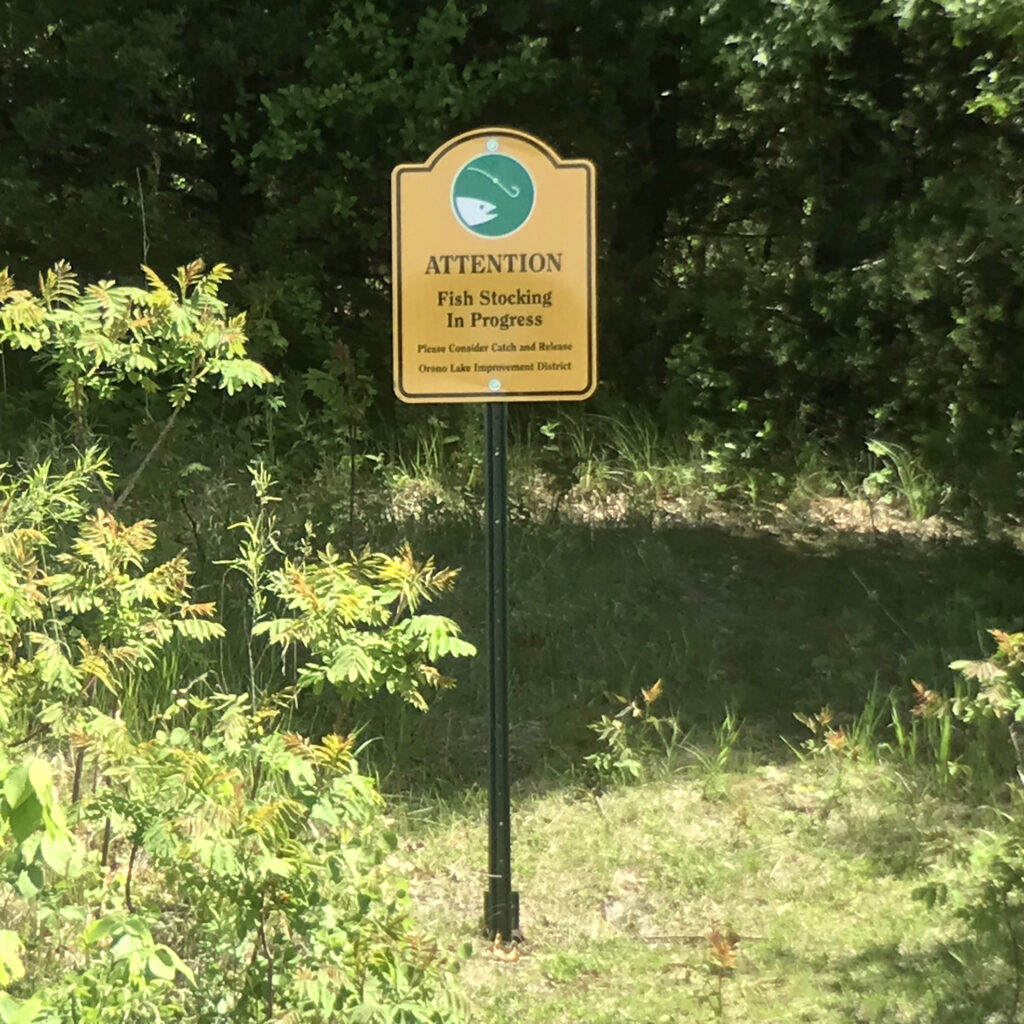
[[494, 299], [501, 904]]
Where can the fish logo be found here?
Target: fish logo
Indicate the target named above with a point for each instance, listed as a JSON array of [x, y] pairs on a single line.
[[492, 195], [474, 211]]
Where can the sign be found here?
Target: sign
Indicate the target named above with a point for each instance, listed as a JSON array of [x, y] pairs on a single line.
[[493, 273]]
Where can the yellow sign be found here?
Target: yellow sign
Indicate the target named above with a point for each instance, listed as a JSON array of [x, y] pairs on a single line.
[[493, 273]]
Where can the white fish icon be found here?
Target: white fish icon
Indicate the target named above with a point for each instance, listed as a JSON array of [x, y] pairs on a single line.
[[475, 211]]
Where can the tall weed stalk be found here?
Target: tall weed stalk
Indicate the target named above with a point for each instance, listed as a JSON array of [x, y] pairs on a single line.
[[260, 541]]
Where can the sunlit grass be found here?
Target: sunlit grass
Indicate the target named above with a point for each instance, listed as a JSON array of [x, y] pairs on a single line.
[[814, 867]]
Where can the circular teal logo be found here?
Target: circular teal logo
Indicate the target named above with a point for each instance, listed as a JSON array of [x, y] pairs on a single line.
[[492, 195]]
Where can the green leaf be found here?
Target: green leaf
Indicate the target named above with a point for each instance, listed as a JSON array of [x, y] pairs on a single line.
[[350, 664], [11, 966], [276, 866], [981, 670], [40, 777], [323, 811], [99, 929], [26, 818], [236, 374], [301, 772], [160, 965], [127, 944], [30, 882], [199, 630], [14, 1011], [56, 851], [16, 785]]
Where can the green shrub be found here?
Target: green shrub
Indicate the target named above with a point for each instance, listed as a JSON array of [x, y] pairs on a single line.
[[991, 898], [233, 852], [201, 864]]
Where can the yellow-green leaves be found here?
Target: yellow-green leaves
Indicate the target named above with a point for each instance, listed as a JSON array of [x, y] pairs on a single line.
[[236, 374], [92, 612], [59, 286], [356, 620], [11, 967], [255, 850], [105, 336], [997, 688]]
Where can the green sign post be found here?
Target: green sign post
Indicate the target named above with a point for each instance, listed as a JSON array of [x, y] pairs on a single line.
[[494, 300], [501, 904]]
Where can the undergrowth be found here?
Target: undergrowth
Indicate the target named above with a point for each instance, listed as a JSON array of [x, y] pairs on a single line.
[[749, 786]]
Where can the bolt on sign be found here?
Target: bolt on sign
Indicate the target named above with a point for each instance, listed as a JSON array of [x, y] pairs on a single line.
[[493, 273]]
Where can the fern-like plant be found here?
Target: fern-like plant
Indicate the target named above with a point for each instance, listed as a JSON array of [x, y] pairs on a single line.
[[358, 622], [79, 607], [95, 340]]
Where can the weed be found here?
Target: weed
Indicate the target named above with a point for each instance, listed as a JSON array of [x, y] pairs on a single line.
[[710, 763], [925, 742], [903, 475], [826, 739], [260, 541], [721, 963], [626, 737], [618, 760]]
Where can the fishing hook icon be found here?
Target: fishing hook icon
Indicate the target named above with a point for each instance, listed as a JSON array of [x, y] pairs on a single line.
[[512, 191]]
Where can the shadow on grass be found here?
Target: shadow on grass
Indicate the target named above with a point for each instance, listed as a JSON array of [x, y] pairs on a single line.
[[750, 620], [876, 980]]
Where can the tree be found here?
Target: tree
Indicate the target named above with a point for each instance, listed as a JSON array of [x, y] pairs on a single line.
[[807, 210]]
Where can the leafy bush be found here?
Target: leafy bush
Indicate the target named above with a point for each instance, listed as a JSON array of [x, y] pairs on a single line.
[[356, 622], [992, 897], [80, 614], [202, 864], [96, 339], [93, 341], [232, 851]]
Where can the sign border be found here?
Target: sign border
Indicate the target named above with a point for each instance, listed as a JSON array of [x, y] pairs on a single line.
[[396, 274]]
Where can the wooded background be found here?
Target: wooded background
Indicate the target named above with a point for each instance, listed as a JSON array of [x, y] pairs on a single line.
[[810, 211]]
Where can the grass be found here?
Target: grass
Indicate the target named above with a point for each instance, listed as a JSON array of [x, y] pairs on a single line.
[[816, 862], [814, 867], [768, 623]]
